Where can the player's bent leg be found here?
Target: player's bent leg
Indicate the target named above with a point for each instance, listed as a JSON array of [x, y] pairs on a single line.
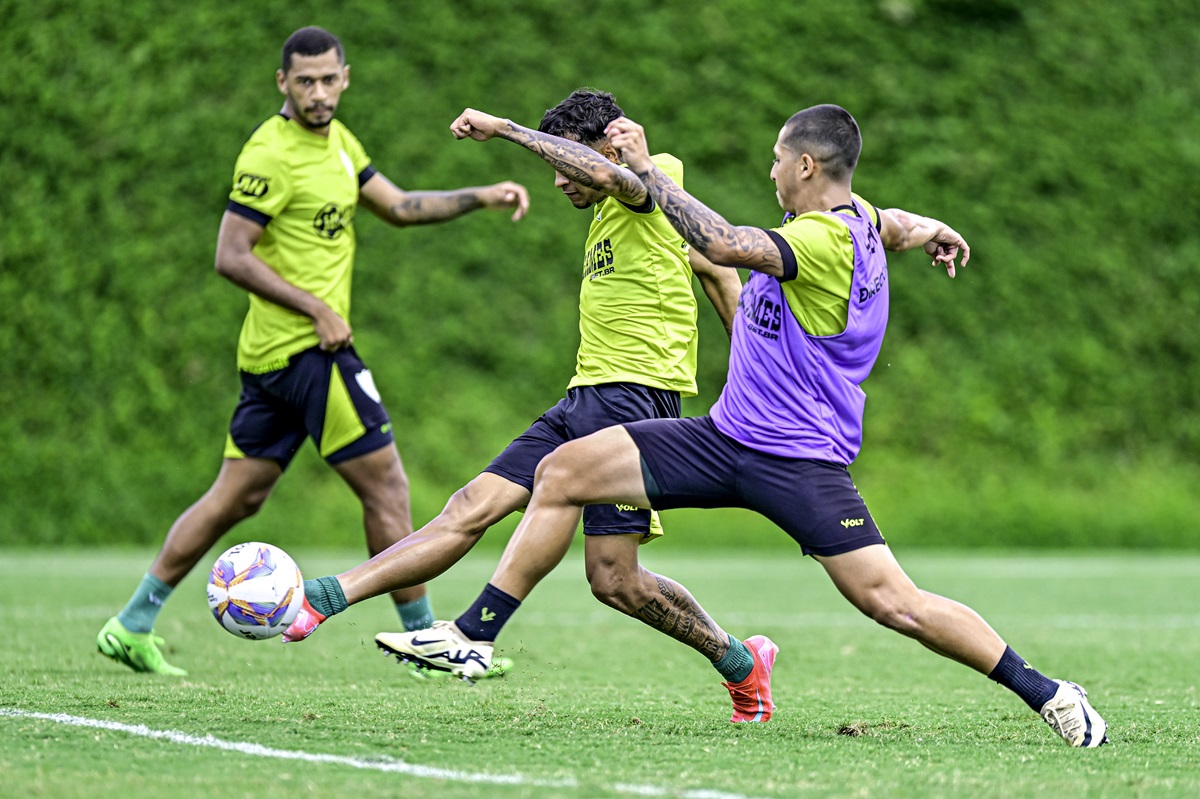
[[438, 545], [872, 580], [441, 543], [381, 485], [602, 467], [241, 487], [620, 582]]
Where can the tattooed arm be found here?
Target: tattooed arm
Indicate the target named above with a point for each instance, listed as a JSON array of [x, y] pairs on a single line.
[[901, 230], [705, 229], [402, 208], [577, 162]]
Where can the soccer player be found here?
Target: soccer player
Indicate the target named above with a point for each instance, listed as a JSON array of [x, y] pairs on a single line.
[[287, 237], [636, 358], [781, 436]]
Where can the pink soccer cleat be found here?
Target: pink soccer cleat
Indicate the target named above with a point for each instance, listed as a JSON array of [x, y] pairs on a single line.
[[752, 696], [305, 624]]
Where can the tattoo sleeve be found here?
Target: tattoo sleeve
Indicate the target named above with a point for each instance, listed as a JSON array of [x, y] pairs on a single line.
[[677, 614], [580, 163], [434, 206], [707, 231]]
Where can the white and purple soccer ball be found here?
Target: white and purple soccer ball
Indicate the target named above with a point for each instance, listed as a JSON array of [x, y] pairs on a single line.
[[255, 590]]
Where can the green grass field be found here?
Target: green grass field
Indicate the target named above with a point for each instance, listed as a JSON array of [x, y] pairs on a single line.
[[600, 706]]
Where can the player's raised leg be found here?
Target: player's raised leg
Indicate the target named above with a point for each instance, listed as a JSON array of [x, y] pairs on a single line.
[[873, 581], [241, 487], [604, 467], [418, 557]]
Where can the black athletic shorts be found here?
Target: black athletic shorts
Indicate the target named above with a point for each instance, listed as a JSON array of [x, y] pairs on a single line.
[[327, 395], [689, 463], [582, 412]]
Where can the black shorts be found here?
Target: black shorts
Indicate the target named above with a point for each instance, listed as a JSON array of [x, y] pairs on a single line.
[[582, 412], [692, 464], [327, 395]]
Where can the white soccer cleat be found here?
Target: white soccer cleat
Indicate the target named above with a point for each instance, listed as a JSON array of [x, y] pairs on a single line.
[[1070, 715], [441, 648]]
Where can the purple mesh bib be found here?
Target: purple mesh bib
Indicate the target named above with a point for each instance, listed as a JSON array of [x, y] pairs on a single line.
[[793, 394]]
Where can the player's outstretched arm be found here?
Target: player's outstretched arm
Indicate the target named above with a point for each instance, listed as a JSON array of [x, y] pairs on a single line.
[[703, 228], [237, 263], [901, 230], [402, 208], [721, 285], [580, 163]]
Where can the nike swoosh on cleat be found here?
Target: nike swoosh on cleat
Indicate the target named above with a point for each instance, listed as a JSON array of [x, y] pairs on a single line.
[[430, 642]]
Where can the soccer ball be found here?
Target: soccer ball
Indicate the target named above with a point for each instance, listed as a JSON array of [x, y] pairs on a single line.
[[255, 590]]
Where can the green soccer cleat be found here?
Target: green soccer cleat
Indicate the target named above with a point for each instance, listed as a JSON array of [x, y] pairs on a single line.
[[138, 651]]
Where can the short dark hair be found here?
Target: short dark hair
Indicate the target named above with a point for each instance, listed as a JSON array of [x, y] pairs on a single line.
[[829, 134], [310, 41], [583, 116]]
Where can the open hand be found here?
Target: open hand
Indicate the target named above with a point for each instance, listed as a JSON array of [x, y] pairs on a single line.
[[506, 195]]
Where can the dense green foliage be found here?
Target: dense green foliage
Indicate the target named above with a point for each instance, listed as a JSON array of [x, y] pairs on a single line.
[[598, 701], [1054, 383]]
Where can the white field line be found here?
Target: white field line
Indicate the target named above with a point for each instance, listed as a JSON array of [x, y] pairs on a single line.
[[382, 763]]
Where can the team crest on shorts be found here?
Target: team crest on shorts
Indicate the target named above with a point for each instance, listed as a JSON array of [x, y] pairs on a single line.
[[367, 383]]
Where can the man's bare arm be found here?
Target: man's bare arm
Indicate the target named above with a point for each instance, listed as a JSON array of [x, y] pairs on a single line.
[[578, 162], [901, 230], [402, 208], [237, 263], [722, 285], [703, 228]]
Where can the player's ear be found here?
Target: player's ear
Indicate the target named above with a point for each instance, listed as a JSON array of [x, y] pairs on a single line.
[[610, 152], [281, 81], [346, 77]]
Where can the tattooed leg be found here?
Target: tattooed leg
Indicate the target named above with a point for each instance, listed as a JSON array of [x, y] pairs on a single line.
[[618, 581]]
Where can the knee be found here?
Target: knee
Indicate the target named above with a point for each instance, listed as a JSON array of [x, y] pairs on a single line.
[[616, 588], [463, 515], [247, 503], [900, 613], [555, 477]]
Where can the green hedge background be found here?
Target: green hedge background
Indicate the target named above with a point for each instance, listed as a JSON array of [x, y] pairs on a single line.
[[1046, 397]]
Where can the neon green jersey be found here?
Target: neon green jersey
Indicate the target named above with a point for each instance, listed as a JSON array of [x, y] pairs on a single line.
[[820, 294], [637, 312], [303, 189]]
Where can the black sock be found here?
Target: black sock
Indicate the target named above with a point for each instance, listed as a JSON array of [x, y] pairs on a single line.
[[491, 611], [1023, 680]]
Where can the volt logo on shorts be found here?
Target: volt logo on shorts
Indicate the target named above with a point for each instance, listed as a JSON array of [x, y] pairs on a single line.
[[627, 508], [848, 523]]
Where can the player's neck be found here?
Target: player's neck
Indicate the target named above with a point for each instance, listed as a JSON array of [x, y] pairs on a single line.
[[831, 196]]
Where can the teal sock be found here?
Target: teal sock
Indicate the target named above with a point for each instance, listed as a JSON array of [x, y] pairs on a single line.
[[325, 595], [416, 615], [142, 609], [737, 663]]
